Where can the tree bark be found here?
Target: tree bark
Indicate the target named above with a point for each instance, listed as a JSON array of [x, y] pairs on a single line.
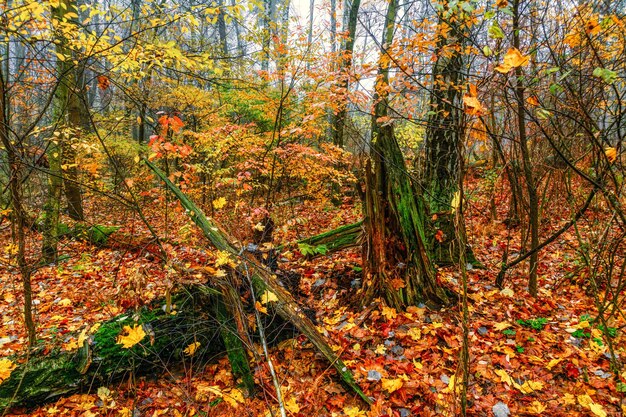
[[339, 121], [101, 360], [445, 131], [396, 262], [18, 214], [533, 201]]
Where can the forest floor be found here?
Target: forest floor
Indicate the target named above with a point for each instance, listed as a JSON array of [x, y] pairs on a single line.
[[543, 356]]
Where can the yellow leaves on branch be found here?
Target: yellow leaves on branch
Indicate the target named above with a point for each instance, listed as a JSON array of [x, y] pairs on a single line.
[[131, 336], [611, 154], [190, 350], [512, 59], [6, 367]]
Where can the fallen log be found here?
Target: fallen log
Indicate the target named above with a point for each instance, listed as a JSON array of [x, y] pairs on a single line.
[[101, 360], [198, 318], [343, 237], [263, 281]]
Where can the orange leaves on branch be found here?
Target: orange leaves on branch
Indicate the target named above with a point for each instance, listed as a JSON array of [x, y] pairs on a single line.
[[472, 105], [532, 100], [103, 82], [611, 154], [170, 122], [512, 59], [131, 336]]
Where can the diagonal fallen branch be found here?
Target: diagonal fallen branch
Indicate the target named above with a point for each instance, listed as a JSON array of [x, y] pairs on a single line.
[[263, 281]]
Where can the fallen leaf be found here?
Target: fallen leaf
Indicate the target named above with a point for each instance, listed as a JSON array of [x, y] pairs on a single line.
[[6, 367], [597, 410], [391, 385], [234, 397], [536, 408], [501, 325], [553, 363], [131, 336], [353, 411], [530, 386], [414, 333], [389, 313], [292, 406], [268, 297]]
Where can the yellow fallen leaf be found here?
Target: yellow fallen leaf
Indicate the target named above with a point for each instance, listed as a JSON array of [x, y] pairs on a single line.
[[292, 406], [536, 408], [568, 399], [234, 397], [353, 411], [507, 292], [530, 386], [6, 367], [380, 349], [389, 313], [584, 400], [553, 363], [597, 410], [66, 302], [505, 377], [190, 350], [391, 385], [414, 333], [223, 258], [131, 336], [82, 337], [501, 325], [268, 296]]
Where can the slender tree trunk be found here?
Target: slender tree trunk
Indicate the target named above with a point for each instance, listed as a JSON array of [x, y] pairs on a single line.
[[533, 200], [61, 155], [240, 45], [310, 33], [346, 66], [221, 27], [396, 262], [16, 175]]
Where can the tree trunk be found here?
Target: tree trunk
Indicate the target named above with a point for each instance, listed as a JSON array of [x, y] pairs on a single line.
[[263, 280], [221, 27], [61, 155], [18, 215], [533, 201], [444, 134], [101, 360], [346, 65], [396, 262]]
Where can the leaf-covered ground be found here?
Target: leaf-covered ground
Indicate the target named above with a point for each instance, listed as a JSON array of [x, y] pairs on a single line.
[[544, 356]]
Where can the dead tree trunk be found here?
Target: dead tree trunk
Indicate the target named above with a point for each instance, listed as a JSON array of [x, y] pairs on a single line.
[[396, 261]]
